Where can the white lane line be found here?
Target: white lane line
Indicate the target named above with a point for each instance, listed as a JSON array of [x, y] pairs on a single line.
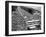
[[33, 20]]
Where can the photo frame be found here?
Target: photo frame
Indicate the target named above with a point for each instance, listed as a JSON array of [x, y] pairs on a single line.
[[24, 18]]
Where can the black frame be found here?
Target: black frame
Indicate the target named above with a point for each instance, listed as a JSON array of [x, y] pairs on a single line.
[[7, 17]]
